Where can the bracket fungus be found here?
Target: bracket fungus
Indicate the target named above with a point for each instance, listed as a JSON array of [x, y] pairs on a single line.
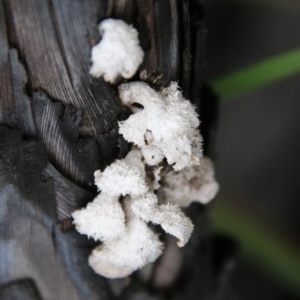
[[118, 53]]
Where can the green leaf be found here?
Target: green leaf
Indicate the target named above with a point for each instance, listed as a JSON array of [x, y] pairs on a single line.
[[269, 251], [258, 75]]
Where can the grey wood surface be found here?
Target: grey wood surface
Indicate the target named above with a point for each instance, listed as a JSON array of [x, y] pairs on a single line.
[[58, 125]]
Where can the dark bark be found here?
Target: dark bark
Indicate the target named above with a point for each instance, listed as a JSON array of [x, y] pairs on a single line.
[[58, 125], [24, 289]]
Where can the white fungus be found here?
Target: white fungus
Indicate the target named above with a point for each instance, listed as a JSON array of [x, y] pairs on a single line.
[[169, 217], [155, 183], [121, 178], [192, 184], [138, 246], [166, 126], [103, 219], [118, 53], [137, 190]]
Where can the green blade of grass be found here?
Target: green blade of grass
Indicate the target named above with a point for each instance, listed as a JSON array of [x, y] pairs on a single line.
[[266, 249], [258, 75]]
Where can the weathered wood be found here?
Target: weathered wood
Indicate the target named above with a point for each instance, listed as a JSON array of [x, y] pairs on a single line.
[[58, 125], [24, 289], [68, 196], [32, 244], [14, 105], [53, 42]]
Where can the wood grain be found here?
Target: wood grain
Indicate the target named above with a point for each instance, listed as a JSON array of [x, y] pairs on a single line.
[[58, 125]]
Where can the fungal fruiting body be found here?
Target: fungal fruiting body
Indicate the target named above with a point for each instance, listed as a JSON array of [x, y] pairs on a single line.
[[166, 127], [103, 219], [193, 184], [135, 190], [118, 53], [138, 246]]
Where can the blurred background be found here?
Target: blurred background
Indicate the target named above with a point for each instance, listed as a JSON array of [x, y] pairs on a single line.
[[253, 55]]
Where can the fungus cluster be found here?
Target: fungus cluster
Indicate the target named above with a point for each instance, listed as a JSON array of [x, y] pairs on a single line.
[[137, 190], [166, 127]]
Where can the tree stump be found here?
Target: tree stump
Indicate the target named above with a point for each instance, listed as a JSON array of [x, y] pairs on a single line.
[[59, 125]]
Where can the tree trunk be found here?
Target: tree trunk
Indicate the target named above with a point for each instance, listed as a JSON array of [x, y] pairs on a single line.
[[59, 125]]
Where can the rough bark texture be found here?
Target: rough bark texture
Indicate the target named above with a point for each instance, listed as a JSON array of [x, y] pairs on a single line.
[[58, 125]]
